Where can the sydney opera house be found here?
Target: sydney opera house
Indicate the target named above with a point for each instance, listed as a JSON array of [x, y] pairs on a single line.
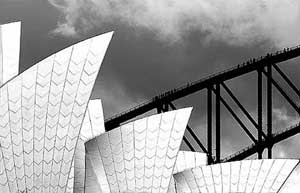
[[53, 139]]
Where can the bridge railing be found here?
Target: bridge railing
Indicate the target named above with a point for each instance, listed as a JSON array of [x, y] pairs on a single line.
[[129, 110], [167, 93], [253, 144], [285, 130]]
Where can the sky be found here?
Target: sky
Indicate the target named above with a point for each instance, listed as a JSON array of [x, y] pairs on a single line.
[[162, 44]]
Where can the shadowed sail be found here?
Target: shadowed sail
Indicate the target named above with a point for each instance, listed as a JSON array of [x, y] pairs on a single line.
[[93, 125], [41, 113]]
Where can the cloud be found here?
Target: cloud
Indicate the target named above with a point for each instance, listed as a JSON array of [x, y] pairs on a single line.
[[281, 118], [65, 29], [232, 21]]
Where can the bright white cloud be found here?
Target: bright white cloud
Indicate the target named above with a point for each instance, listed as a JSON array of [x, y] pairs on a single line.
[[232, 21], [282, 119], [65, 29]]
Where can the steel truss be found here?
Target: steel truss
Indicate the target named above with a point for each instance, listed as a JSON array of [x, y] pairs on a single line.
[[213, 86]]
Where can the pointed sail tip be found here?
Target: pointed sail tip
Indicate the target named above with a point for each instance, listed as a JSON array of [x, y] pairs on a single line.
[[107, 36], [15, 24], [187, 110], [95, 102], [100, 43]]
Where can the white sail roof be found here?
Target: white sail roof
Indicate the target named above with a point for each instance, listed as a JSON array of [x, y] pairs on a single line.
[[10, 35], [241, 176], [93, 126], [41, 112], [138, 156]]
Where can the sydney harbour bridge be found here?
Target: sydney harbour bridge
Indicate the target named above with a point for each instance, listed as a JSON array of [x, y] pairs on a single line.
[[263, 66]]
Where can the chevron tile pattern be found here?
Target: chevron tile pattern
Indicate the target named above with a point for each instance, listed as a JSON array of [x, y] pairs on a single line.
[[186, 160], [259, 176], [10, 35], [138, 156], [41, 113], [93, 125]]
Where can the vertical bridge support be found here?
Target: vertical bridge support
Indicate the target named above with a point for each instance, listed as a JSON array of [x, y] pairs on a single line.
[[218, 124], [259, 112], [209, 125], [269, 111]]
